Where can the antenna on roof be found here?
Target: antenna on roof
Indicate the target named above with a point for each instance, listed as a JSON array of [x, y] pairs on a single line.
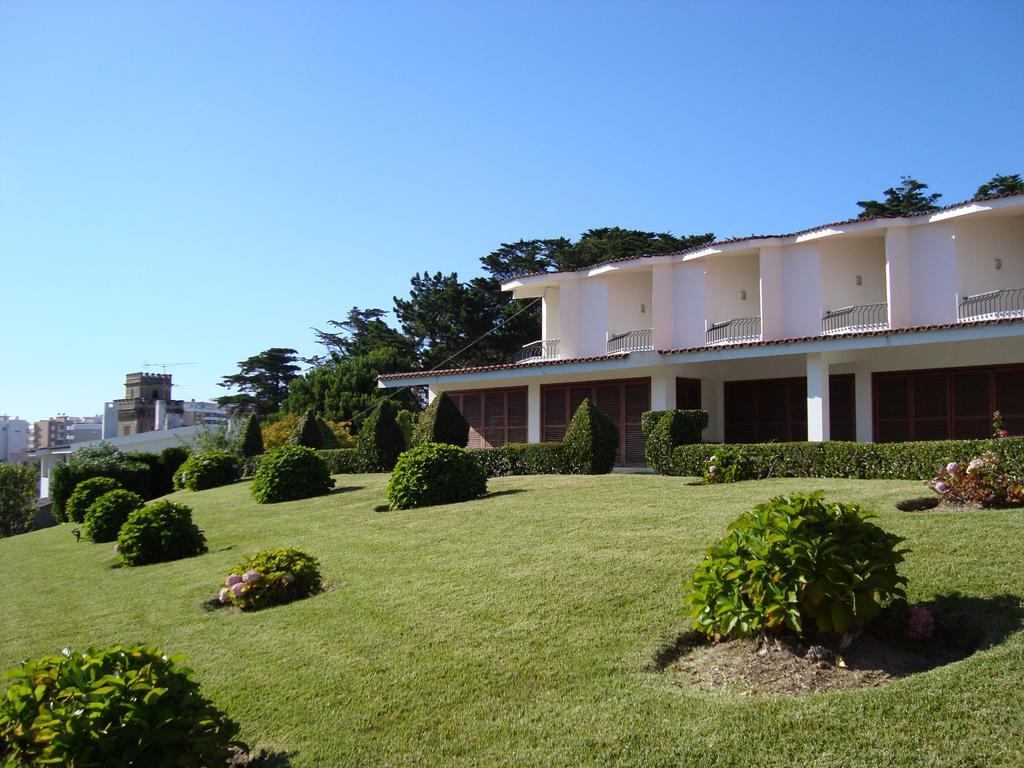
[[164, 366]]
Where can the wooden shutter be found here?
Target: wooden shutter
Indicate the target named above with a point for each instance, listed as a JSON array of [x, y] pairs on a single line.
[[688, 394]]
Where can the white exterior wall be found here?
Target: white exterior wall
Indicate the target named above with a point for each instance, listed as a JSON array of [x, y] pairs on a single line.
[[979, 244], [690, 305], [727, 275], [569, 318], [771, 293], [593, 316], [629, 301], [801, 280], [663, 308], [933, 274], [550, 317], [842, 260]]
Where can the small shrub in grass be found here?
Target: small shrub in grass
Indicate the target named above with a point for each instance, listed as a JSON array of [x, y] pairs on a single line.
[[667, 430], [209, 469], [250, 441], [983, 480], [729, 465], [17, 499], [796, 563], [591, 441], [291, 472], [435, 473], [272, 577], [85, 493], [117, 706], [380, 439], [106, 515], [441, 422], [159, 532]]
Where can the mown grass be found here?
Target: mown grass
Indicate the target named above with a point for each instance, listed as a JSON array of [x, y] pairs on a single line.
[[521, 629]]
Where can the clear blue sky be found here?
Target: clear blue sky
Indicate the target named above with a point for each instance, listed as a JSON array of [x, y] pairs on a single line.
[[198, 181]]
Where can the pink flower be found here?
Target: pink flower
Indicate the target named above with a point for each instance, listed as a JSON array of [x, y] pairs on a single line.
[[223, 594], [233, 579], [975, 465], [951, 467], [250, 576], [711, 469], [1004, 433], [920, 623], [941, 487], [236, 589]]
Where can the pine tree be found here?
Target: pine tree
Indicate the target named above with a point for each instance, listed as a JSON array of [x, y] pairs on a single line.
[[907, 199], [1001, 185]]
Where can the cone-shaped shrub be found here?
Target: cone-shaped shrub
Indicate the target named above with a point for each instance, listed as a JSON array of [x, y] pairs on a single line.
[[85, 493], [380, 439], [591, 441], [251, 441], [442, 422], [106, 515], [435, 473], [312, 432]]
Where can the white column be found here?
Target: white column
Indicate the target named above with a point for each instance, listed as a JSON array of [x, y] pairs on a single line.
[[689, 295], [533, 406], [432, 392], [864, 403], [897, 276], [593, 317], [663, 390], [662, 306], [770, 261], [817, 397], [712, 400], [569, 318]]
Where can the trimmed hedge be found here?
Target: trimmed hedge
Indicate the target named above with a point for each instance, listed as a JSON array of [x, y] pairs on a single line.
[[522, 459], [250, 442], [441, 422], [343, 461], [64, 478], [209, 469], [380, 440], [667, 430], [590, 442], [862, 461]]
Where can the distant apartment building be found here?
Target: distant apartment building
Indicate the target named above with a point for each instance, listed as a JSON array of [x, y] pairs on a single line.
[[210, 414], [63, 430], [14, 434]]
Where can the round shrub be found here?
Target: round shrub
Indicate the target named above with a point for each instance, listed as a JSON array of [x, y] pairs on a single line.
[[159, 532], [106, 515], [17, 499], [209, 469], [111, 706], [435, 473], [272, 577], [291, 472], [796, 563], [85, 493]]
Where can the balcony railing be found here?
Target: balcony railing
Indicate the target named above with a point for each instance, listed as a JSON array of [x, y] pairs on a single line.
[[631, 341], [864, 317], [734, 331], [1007, 302], [544, 349]]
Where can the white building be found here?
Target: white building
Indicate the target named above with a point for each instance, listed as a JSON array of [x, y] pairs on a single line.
[[871, 330], [14, 435]]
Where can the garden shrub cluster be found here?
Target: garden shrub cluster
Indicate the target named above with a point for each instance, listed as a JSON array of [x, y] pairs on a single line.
[[342, 461], [209, 469], [380, 440], [162, 467], [17, 499], [864, 461], [158, 532], [521, 459], [667, 430], [111, 706], [435, 473], [291, 472], [591, 441], [85, 493], [102, 460], [797, 563], [984, 481], [272, 577], [441, 422], [106, 515]]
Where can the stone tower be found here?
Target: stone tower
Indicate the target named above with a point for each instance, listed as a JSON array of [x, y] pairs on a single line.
[[147, 404]]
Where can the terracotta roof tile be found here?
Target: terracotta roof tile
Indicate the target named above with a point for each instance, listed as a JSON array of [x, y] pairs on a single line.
[[501, 367]]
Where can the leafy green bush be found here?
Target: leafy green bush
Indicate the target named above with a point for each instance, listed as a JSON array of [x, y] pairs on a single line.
[[101, 460], [441, 422], [106, 515], [435, 473], [591, 441], [343, 461], [85, 493], [667, 430], [406, 421], [209, 469], [380, 440], [158, 532], [250, 441], [729, 464], [115, 706], [796, 563], [522, 459], [291, 472], [17, 499], [313, 432], [272, 577]]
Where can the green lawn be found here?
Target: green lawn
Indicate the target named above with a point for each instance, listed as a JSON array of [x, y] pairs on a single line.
[[520, 629]]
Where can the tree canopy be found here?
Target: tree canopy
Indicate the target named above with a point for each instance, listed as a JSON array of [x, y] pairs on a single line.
[[905, 199], [262, 381], [1001, 185]]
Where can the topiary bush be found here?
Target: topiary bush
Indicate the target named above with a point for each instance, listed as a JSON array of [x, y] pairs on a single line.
[[441, 422], [159, 532], [272, 577], [209, 469], [435, 473], [591, 442], [667, 430], [521, 459], [250, 440], [101, 460], [313, 432], [343, 461], [406, 421], [106, 515], [115, 706], [17, 499], [380, 440], [800, 564], [291, 472], [85, 493]]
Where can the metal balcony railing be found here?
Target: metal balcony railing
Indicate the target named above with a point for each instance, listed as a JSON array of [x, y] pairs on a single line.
[[631, 341], [863, 317], [1006, 302], [544, 349], [734, 331]]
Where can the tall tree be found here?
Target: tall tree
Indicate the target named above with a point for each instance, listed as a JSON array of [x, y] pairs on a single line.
[[613, 243], [525, 257], [1001, 185], [362, 331], [905, 199], [262, 381]]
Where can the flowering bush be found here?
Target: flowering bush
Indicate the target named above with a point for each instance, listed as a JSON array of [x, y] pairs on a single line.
[[272, 577], [983, 481], [728, 465]]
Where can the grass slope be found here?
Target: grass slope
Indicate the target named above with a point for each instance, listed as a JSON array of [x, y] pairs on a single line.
[[520, 629]]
